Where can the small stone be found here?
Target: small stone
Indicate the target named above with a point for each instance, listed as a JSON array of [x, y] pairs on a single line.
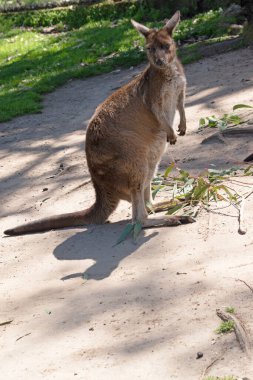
[[199, 355]]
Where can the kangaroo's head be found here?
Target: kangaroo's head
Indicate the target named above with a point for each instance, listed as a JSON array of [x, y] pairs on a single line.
[[161, 48]]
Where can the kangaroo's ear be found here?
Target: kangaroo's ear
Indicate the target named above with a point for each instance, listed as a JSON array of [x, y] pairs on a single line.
[[141, 28], [170, 25]]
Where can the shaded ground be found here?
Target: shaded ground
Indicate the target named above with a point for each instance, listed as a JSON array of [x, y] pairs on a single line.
[[87, 309]]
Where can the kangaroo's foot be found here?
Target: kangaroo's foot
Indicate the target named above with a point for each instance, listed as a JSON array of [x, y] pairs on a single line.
[[172, 138], [167, 221]]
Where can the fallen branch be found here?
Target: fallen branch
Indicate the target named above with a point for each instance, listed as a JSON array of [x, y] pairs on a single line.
[[245, 283], [229, 132], [239, 329]]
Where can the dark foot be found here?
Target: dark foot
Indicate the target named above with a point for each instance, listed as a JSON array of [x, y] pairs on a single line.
[[181, 129]]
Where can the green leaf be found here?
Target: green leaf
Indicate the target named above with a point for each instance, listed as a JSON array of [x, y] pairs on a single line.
[[237, 106], [174, 192], [150, 207], [214, 171], [157, 181], [212, 121], [174, 209], [169, 169], [202, 122], [223, 187], [137, 230], [158, 188], [222, 125], [214, 195], [235, 119], [200, 189], [188, 186], [127, 230], [247, 171], [184, 175]]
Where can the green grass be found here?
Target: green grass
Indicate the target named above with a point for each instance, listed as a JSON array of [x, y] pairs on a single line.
[[230, 309], [33, 63], [225, 327]]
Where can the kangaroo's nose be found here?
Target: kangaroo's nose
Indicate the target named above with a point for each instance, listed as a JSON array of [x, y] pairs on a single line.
[[159, 62]]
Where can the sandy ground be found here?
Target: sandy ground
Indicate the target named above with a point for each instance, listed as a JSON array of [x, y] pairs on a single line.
[[81, 308]]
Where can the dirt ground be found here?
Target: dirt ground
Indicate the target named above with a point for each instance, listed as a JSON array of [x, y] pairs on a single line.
[[81, 308]]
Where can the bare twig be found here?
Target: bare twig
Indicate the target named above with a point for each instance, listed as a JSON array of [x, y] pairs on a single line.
[[250, 287], [227, 132], [6, 322], [23, 336], [250, 193], [79, 186], [239, 329], [242, 227], [206, 370], [246, 184]]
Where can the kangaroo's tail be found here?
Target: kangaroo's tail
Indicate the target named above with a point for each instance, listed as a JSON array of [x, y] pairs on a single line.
[[98, 213]]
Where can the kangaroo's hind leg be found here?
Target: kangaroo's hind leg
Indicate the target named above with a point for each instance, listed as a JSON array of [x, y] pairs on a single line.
[[158, 206], [140, 214]]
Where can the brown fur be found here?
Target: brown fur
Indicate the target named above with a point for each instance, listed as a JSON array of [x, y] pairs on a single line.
[[127, 135]]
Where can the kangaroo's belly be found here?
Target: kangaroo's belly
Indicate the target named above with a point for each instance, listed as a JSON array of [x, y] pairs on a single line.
[[156, 151]]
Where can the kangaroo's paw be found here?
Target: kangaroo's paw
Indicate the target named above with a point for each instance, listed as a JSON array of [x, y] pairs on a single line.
[[182, 129]]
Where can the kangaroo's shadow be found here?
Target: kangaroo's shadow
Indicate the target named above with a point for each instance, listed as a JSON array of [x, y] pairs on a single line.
[[98, 243]]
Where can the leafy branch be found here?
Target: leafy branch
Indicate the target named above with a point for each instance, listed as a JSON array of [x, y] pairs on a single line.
[[222, 123], [189, 193]]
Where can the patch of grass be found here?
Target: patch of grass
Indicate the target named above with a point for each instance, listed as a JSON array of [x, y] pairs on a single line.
[[230, 310], [92, 41], [32, 63], [23, 2], [225, 327], [209, 24], [189, 55]]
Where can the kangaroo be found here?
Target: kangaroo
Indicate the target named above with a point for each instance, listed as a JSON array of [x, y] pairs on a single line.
[[127, 136]]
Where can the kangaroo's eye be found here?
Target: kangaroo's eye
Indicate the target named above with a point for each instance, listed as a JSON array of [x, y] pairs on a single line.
[[151, 48], [165, 47]]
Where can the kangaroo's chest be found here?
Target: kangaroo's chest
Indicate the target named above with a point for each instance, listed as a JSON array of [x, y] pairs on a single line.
[[167, 99], [170, 91], [156, 150]]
